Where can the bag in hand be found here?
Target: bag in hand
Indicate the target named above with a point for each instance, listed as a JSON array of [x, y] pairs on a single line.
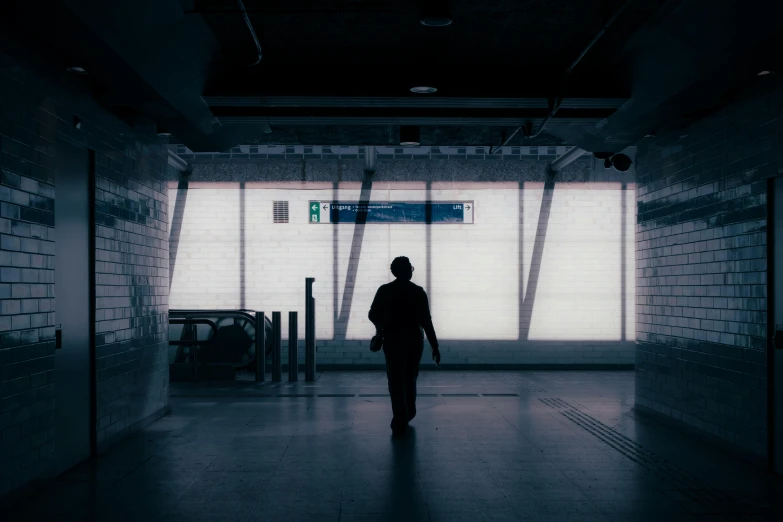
[[376, 343]]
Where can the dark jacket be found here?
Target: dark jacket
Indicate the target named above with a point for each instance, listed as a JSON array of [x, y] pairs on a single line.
[[400, 311]]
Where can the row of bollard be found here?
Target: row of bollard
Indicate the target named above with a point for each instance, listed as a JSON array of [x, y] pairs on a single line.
[[293, 341]]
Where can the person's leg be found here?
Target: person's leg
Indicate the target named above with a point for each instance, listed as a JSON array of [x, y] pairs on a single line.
[[395, 373], [411, 375]]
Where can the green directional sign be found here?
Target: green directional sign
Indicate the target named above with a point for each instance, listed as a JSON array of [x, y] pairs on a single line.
[[315, 212]]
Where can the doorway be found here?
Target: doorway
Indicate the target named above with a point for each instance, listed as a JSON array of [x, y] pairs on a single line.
[[775, 320], [74, 305]]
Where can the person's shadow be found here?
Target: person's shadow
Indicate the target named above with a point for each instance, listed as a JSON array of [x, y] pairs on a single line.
[[406, 497]]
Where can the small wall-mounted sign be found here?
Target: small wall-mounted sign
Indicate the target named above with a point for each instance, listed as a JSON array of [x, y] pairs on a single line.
[[422, 212]]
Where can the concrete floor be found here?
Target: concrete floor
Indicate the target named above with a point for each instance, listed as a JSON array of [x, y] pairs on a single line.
[[493, 446]]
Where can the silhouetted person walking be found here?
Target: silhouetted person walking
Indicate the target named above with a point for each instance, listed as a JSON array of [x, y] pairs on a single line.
[[399, 312]]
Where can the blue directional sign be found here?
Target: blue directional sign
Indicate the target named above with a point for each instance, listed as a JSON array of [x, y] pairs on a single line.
[[391, 212]]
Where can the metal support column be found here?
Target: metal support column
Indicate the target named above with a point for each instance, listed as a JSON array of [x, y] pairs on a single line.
[[195, 348], [309, 330], [293, 346], [277, 342], [369, 159], [260, 346]]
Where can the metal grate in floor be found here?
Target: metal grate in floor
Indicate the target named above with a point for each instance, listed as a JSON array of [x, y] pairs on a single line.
[[708, 500]]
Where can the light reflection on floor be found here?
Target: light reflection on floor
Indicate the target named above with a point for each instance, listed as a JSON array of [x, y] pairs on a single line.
[[484, 446]]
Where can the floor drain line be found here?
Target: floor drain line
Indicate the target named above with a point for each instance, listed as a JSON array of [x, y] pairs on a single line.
[[693, 488]]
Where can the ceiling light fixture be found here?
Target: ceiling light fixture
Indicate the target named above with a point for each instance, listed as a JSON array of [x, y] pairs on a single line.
[[75, 70], [764, 73], [410, 135], [423, 89], [435, 13], [432, 21]]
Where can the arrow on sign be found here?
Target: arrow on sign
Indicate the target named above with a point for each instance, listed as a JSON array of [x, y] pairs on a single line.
[[467, 207], [326, 207], [315, 207]]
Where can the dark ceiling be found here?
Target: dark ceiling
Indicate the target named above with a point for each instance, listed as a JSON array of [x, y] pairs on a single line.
[[378, 47], [340, 71]]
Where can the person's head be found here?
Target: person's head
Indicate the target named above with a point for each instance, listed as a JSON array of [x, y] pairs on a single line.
[[401, 268]]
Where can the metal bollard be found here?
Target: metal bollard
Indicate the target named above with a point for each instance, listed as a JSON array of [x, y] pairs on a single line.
[[260, 346], [309, 330], [277, 342], [293, 346], [195, 348]]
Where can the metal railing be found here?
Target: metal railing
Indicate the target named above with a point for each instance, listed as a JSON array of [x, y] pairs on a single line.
[[233, 338], [192, 344], [230, 340]]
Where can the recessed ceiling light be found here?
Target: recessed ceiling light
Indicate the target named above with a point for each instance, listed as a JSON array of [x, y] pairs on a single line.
[[436, 21], [76, 70], [764, 73], [435, 13], [409, 135], [649, 135], [163, 133], [424, 90]]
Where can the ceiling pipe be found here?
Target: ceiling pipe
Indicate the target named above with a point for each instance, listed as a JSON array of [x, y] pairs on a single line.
[[559, 101], [571, 155], [177, 162], [252, 31]]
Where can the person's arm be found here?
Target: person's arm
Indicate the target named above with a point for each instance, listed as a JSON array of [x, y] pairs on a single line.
[[425, 321], [376, 314]]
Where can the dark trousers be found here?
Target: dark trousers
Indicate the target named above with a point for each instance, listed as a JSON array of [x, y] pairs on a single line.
[[402, 370]]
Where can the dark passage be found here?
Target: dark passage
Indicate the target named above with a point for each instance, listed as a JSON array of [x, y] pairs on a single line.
[[444, 111]]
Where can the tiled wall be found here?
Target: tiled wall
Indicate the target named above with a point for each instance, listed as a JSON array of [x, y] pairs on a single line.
[[701, 270], [131, 291], [131, 269], [505, 290]]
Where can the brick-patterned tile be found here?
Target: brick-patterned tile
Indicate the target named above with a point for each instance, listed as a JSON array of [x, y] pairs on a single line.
[[701, 253], [134, 218]]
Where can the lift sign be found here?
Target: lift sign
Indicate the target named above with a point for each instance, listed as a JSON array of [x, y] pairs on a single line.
[[434, 212]]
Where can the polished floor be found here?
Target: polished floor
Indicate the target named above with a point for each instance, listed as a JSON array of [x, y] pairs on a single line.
[[485, 446]]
